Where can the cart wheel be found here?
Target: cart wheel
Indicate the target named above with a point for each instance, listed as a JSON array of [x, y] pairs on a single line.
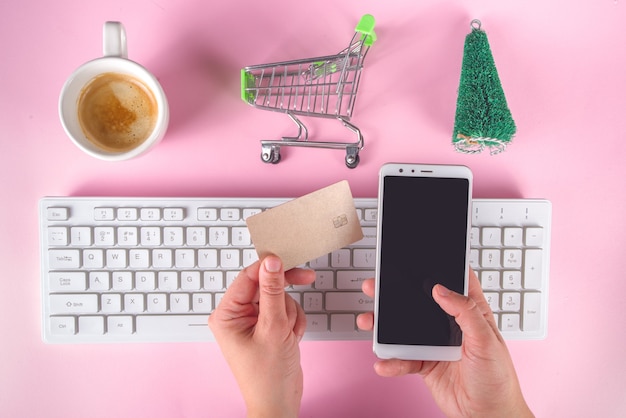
[[270, 155], [352, 160]]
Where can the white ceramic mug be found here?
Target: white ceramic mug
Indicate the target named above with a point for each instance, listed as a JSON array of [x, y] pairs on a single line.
[[113, 65]]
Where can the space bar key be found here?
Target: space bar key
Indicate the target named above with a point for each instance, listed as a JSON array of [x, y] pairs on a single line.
[[172, 325]]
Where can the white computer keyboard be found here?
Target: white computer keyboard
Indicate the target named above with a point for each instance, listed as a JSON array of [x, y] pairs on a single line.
[[153, 269]]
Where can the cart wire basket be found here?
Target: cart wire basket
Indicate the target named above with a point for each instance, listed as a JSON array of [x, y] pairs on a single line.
[[323, 87]]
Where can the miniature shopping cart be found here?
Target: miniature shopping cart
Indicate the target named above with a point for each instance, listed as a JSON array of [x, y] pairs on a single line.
[[324, 87]]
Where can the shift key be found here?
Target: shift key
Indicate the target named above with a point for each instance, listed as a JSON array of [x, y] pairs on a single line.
[[349, 301]]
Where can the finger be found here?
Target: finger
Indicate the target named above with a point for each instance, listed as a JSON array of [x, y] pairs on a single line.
[[365, 321], [465, 311], [242, 291], [396, 367], [272, 304], [476, 293], [299, 326], [298, 276], [475, 289], [368, 287]]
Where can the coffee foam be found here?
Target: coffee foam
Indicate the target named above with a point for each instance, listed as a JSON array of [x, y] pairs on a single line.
[[117, 112]]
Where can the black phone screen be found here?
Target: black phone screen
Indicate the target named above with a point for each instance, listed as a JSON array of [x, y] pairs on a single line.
[[423, 242]]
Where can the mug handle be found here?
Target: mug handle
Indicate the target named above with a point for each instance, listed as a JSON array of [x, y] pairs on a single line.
[[114, 40]]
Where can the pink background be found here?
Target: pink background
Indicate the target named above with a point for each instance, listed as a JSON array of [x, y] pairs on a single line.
[[562, 65]]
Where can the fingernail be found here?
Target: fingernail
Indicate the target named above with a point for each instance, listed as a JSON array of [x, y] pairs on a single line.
[[442, 290], [273, 264]]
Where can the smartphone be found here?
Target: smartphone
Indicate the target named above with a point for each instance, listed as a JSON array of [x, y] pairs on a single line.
[[423, 239]]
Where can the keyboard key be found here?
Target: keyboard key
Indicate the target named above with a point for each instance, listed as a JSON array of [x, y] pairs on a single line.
[[145, 281], [342, 322], [312, 302], [511, 302], [75, 281], [534, 237], [352, 279], [512, 280], [167, 280], [364, 258], [162, 258], [120, 325], [490, 258], [490, 280], [57, 214], [201, 303], [80, 236], [62, 325], [57, 236], [512, 258], [133, 303], [73, 304], [532, 269], [157, 302], [127, 236], [491, 237], [150, 236], [241, 236], [349, 301], [179, 302], [63, 259], [93, 258], [316, 323], [104, 236], [207, 214], [509, 322], [104, 214], [513, 237], [190, 280], [99, 281], [218, 236], [196, 236], [111, 303], [91, 325], [324, 279], [116, 259], [127, 214], [229, 214], [184, 258], [122, 280], [532, 311], [173, 236], [173, 214], [370, 215], [150, 214], [139, 259], [340, 258], [182, 326]]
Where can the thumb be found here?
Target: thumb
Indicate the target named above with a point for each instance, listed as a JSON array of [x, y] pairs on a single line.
[[272, 308], [466, 312]]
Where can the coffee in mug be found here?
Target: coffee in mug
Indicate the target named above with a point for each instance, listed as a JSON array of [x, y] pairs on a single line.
[[117, 112], [112, 107]]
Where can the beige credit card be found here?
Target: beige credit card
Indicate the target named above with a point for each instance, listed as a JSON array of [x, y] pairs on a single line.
[[308, 227]]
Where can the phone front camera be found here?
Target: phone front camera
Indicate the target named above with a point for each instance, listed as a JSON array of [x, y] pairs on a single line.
[[401, 170]]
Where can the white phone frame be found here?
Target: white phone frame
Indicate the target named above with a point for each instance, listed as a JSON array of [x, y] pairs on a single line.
[[418, 352]]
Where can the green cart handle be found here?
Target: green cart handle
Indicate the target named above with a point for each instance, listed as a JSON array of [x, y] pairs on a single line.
[[366, 28]]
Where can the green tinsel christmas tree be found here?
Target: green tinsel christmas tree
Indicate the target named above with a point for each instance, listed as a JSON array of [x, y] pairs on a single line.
[[482, 119]]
